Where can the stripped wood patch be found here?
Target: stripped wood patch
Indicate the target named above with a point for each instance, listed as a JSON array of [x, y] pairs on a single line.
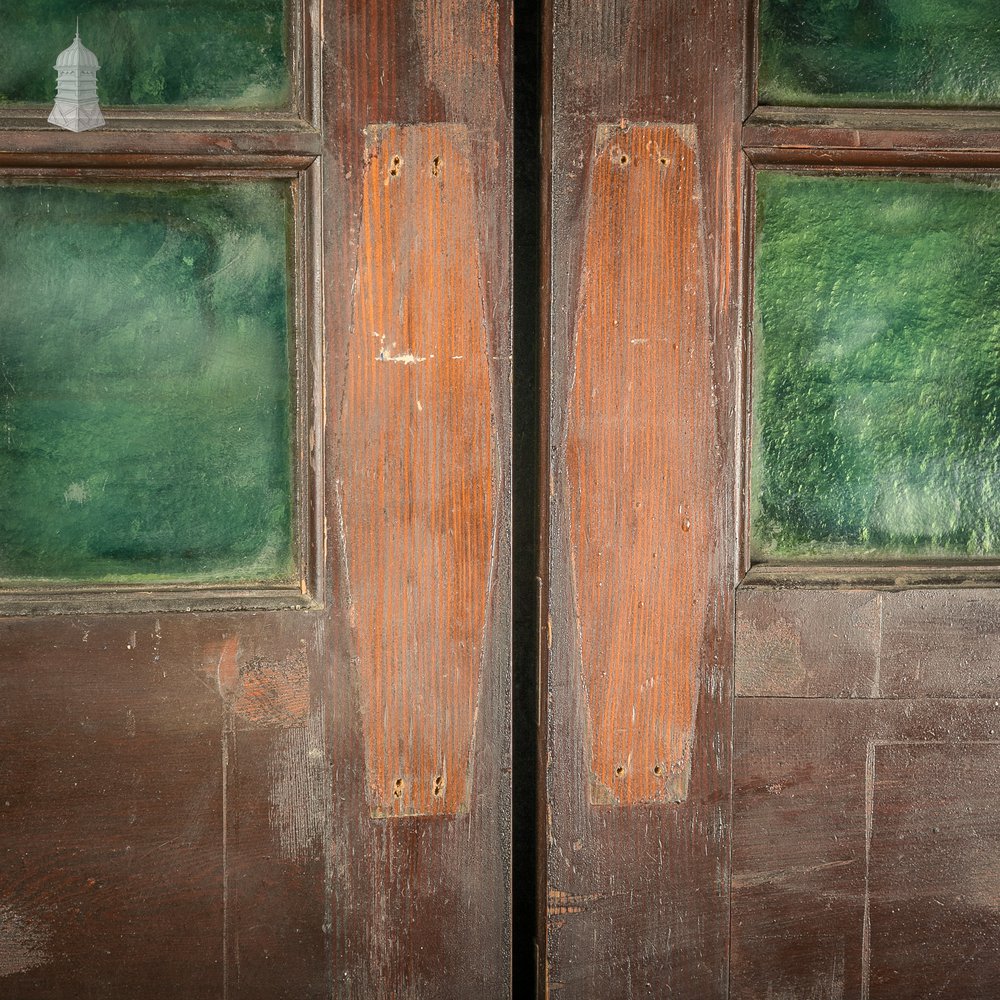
[[417, 480], [641, 458], [260, 691]]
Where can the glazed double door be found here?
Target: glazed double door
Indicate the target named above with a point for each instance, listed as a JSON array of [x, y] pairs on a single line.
[[486, 507]]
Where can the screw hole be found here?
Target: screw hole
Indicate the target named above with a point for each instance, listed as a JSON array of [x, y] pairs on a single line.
[[657, 770], [394, 169], [436, 166], [397, 788], [664, 161], [624, 160], [619, 771], [438, 785]]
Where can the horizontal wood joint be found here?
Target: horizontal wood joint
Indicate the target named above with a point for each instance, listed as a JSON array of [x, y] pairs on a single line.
[[872, 137]]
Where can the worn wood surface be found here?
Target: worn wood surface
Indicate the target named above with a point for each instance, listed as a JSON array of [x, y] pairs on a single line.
[[865, 849], [873, 137], [419, 905], [184, 809], [639, 437], [638, 895], [417, 495], [146, 790], [922, 643]]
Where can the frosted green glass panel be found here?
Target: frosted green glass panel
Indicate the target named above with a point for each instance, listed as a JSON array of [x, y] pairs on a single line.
[[145, 383], [198, 53], [876, 368], [858, 52]]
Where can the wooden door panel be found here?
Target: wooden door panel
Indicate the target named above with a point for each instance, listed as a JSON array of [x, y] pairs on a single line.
[[638, 606], [419, 905], [823, 643], [131, 835], [864, 839], [186, 805]]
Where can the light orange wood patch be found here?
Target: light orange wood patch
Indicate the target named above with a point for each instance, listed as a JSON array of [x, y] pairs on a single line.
[[417, 469], [640, 457]]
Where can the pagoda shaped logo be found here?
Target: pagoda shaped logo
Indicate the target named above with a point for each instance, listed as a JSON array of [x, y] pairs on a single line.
[[76, 106]]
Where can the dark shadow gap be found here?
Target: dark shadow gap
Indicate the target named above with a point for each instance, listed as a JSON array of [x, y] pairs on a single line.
[[528, 224]]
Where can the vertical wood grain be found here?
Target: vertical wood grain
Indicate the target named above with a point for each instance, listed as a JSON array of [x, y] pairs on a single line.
[[418, 905], [417, 487], [639, 443], [648, 883]]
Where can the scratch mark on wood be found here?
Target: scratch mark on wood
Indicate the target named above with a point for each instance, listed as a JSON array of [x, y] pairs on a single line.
[[227, 672], [417, 488], [866, 933], [24, 942], [228, 742], [300, 796], [641, 451], [563, 904], [791, 873]]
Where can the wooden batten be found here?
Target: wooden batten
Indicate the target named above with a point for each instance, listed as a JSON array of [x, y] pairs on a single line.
[[417, 493], [640, 442]]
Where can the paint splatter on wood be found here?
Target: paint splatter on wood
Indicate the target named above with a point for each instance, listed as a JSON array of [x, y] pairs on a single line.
[[640, 453], [417, 479]]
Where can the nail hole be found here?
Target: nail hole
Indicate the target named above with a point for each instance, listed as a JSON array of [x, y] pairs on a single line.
[[438, 785], [624, 160], [619, 770], [663, 161], [436, 165], [398, 788], [394, 169], [657, 770]]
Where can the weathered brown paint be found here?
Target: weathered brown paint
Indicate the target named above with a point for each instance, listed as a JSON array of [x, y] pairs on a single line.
[[417, 495], [418, 905], [915, 643], [863, 848], [808, 643], [640, 454], [657, 870], [137, 822]]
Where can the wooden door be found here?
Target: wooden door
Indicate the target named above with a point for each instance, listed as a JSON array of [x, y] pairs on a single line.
[[254, 645], [646, 220], [770, 664]]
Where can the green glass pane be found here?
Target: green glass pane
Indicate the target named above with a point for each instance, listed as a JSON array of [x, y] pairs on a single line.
[[876, 368], [857, 52], [145, 383], [208, 53]]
